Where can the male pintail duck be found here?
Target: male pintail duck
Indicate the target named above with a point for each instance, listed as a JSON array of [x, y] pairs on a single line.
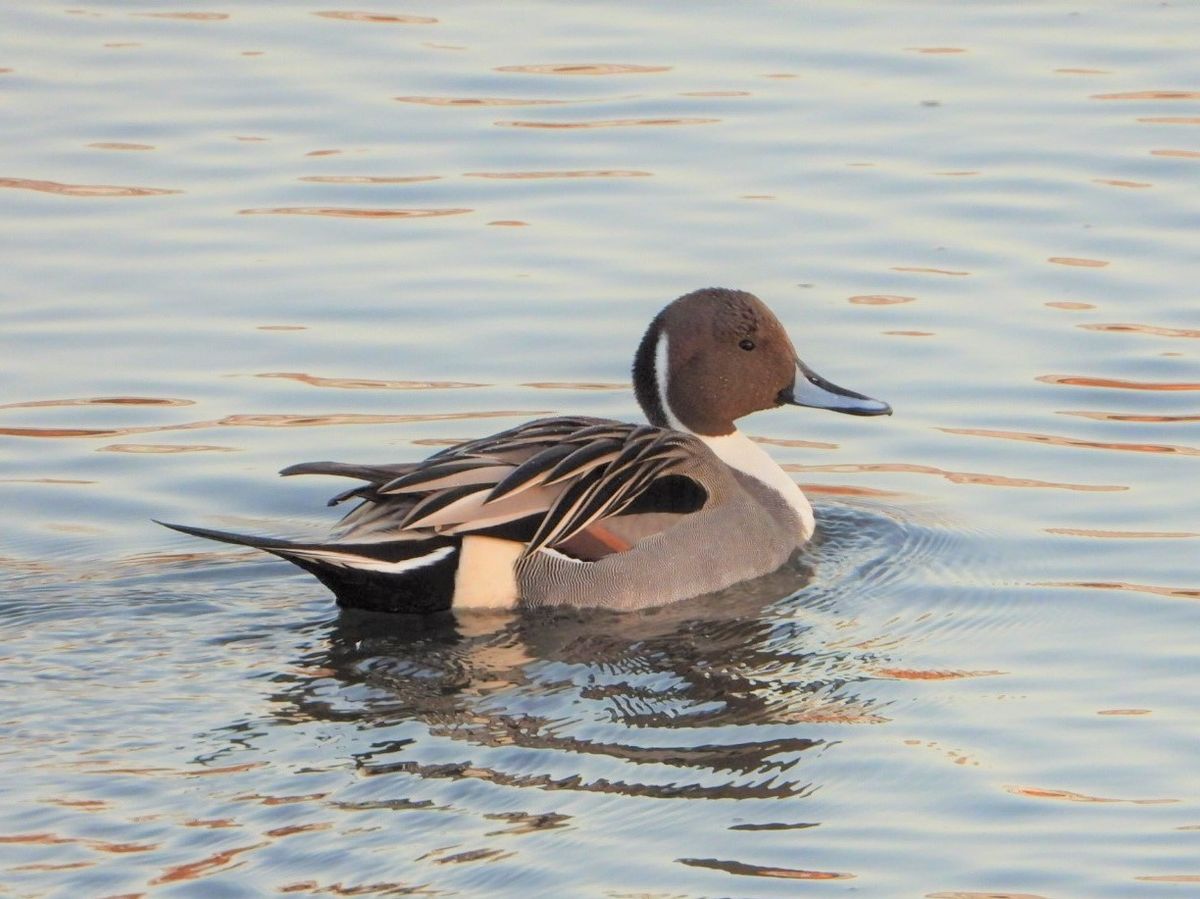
[[581, 511]]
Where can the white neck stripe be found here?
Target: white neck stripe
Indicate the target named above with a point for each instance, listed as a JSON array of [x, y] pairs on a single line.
[[661, 367]]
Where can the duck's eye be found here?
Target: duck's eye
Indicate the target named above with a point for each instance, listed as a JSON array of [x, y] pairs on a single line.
[[746, 344]]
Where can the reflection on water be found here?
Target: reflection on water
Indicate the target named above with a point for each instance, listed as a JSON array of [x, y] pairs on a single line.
[[384, 18], [585, 69], [351, 212], [476, 101], [955, 477], [368, 179], [1077, 262], [606, 123], [1056, 440], [365, 383], [526, 176], [448, 215], [83, 190]]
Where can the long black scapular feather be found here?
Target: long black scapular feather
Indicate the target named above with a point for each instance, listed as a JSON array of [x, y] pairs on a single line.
[[529, 470]]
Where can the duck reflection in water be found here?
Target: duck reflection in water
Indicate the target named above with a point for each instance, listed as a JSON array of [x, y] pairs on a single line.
[[584, 682]]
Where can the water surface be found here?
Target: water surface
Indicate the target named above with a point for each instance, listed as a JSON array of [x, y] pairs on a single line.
[[242, 235]]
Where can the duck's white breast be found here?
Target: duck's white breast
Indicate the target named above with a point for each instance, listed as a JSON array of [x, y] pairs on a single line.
[[738, 451]]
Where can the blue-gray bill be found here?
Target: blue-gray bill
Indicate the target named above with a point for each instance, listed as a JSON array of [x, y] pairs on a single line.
[[810, 389]]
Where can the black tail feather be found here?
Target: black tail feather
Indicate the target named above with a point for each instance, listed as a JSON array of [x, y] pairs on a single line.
[[264, 543], [419, 590]]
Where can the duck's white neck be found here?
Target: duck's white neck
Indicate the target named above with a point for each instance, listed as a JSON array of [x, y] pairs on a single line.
[[738, 451]]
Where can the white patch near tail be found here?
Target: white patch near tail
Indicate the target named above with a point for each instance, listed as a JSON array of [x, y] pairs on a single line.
[[366, 563], [487, 577]]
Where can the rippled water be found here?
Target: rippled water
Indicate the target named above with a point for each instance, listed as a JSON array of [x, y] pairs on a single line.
[[244, 235]]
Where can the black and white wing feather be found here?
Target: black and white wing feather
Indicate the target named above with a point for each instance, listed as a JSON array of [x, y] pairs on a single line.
[[544, 482]]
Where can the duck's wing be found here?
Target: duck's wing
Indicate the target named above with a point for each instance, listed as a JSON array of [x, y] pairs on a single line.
[[544, 483]]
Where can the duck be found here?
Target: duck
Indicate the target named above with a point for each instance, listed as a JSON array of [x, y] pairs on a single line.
[[575, 511]]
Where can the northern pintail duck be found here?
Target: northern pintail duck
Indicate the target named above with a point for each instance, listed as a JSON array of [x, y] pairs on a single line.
[[581, 511]]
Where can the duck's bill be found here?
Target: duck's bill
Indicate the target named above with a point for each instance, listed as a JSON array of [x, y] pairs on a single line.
[[810, 389]]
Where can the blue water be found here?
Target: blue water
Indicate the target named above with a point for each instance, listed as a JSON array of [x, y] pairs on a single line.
[[239, 236]]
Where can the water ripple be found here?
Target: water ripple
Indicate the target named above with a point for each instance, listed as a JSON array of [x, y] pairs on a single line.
[[84, 190]]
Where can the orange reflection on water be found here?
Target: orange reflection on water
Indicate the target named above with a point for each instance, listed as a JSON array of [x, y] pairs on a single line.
[[924, 674], [272, 421], [1083, 71], [1068, 304], [909, 333], [1169, 878], [847, 490], [1069, 796], [85, 805], [605, 123], [101, 401], [352, 212], [216, 862], [927, 271], [84, 190], [1117, 383], [50, 839], [1057, 440], [117, 145], [584, 69], [368, 179], [187, 16], [1117, 182], [1121, 535], [1150, 95], [577, 385], [165, 448], [1123, 712], [955, 477], [576, 173], [477, 101], [1174, 592], [384, 18], [352, 418], [749, 870], [365, 383], [290, 829], [803, 444], [1143, 329], [509, 223], [51, 866], [880, 299], [1178, 154], [1130, 416], [1077, 261]]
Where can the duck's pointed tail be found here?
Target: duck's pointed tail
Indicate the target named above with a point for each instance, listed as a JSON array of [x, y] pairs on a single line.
[[407, 576]]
